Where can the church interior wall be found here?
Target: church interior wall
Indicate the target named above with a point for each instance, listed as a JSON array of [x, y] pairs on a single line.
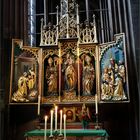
[[121, 120]]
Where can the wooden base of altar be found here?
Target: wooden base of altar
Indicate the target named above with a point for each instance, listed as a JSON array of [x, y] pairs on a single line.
[[71, 134]]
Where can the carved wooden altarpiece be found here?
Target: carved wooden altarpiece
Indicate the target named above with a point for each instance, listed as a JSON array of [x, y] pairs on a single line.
[[69, 66]]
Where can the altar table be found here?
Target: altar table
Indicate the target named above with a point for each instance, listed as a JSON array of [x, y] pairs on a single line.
[[72, 134]]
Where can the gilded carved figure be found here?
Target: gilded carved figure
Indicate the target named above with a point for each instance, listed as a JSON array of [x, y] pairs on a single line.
[[70, 75], [26, 87], [21, 94], [51, 76], [31, 79], [88, 76], [105, 83], [119, 92], [113, 81]]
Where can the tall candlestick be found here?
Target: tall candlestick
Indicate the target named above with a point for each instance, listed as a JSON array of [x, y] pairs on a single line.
[[45, 131], [56, 118], [60, 122], [64, 126], [96, 104], [38, 110], [51, 123]]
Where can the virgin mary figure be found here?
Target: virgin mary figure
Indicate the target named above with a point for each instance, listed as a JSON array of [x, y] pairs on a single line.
[[88, 76], [70, 73]]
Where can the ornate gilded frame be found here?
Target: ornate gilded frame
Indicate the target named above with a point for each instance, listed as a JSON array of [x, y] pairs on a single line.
[[68, 51]]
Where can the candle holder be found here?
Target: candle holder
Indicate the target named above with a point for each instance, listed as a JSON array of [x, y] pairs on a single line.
[[38, 126], [61, 135], [97, 123], [56, 136]]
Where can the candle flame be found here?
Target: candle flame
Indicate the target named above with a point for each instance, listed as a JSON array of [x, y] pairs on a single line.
[[64, 115], [46, 117]]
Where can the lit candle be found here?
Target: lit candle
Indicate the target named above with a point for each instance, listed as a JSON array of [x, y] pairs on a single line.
[[38, 111], [45, 131], [96, 104], [51, 123], [60, 122], [56, 118], [64, 126]]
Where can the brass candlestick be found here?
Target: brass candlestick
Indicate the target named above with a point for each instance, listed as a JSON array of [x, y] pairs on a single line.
[[38, 126]]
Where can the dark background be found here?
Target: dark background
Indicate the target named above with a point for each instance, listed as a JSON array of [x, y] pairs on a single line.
[[121, 120]]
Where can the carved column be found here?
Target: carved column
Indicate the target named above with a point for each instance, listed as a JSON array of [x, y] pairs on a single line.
[[25, 11], [87, 11], [110, 18], [32, 22]]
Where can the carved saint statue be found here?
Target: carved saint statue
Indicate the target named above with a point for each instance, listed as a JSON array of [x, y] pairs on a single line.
[[107, 84], [21, 94], [31, 79], [113, 81], [51, 77], [119, 92], [26, 87], [88, 76], [70, 73]]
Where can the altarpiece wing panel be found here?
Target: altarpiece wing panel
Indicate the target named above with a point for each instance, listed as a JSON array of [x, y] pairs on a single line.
[[24, 84], [113, 70]]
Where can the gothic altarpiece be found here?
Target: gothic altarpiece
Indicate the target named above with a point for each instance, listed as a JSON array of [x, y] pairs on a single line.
[[69, 72], [69, 67]]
